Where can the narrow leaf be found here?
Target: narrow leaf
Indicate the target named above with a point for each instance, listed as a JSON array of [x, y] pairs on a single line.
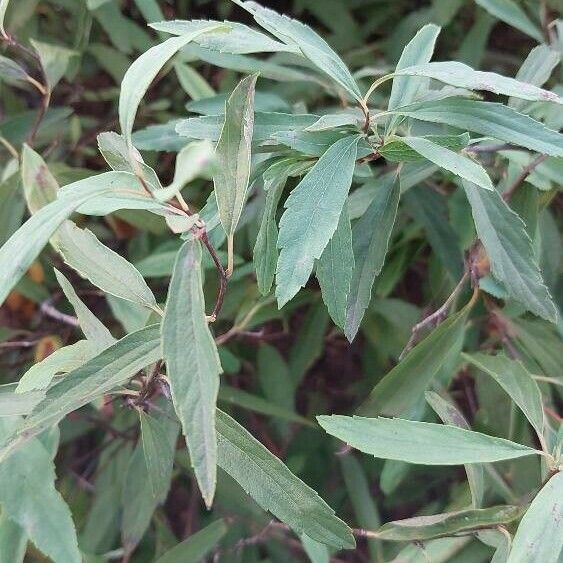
[[193, 365], [39, 185], [55, 61], [311, 216], [511, 13], [272, 485], [420, 442]]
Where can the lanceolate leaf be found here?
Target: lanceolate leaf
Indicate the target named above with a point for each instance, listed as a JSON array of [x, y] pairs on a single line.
[[513, 263], [515, 379], [420, 442], [335, 268], [510, 12], [94, 330], [490, 119], [13, 540], [28, 496], [463, 76], [26, 243], [265, 248], [449, 414], [100, 375], [419, 50], [54, 61], [403, 386], [448, 524], [313, 47], [272, 485], [3, 8], [540, 533], [371, 235], [396, 150], [311, 216], [233, 154], [143, 71], [106, 269], [192, 364], [447, 159], [197, 546]]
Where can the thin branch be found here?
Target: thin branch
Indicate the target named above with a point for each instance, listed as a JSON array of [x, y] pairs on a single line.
[[435, 318], [494, 148], [48, 310], [223, 278], [509, 193]]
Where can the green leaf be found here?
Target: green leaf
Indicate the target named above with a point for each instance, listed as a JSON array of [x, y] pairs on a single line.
[[403, 386], [311, 45], [335, 268], [3, 8], [13, 540], [10, 71], [103, 267], [311, 216], [26, 243], [63, 360], [448, 524], [447, 159], [449, 414], [540, 533], [316, 552], [159, 447], [233, 155], [419, 50], [29, 498], [193, 365], [511, 13], [240, 39], [101, 374], [420, 442], [39, 185], [197, 546], [144, 70], [265, 249], [463, 76], [489, 119], [54, 61], [515, 379], [275, 488], [94, 330], [396, 150], [509, 248], [371, 235]]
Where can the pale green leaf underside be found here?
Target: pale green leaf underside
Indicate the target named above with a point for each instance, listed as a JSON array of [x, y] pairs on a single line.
[[511, 13], [420, 442], [193, 365]]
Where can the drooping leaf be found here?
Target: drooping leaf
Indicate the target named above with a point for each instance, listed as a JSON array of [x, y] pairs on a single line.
[[450, 414], [272, 485], [420, 442], [28, 496], [396, 150], [103, 267], [99, 375], [143, 71], [454, 162], [448, 524], [540, 533], [233, 155], [193, 365], [159, 447], [419, 50], [370, 236], [510, 12], [311, 216], [335, 269], [490, 119], [311, 45], [463, 76], [515, 379], [316, 551], [509, 248], [94, 330]]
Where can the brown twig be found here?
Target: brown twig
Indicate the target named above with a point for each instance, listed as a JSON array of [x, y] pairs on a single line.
[[48, 310], [509, 193], [435, 318], [223, 278]]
